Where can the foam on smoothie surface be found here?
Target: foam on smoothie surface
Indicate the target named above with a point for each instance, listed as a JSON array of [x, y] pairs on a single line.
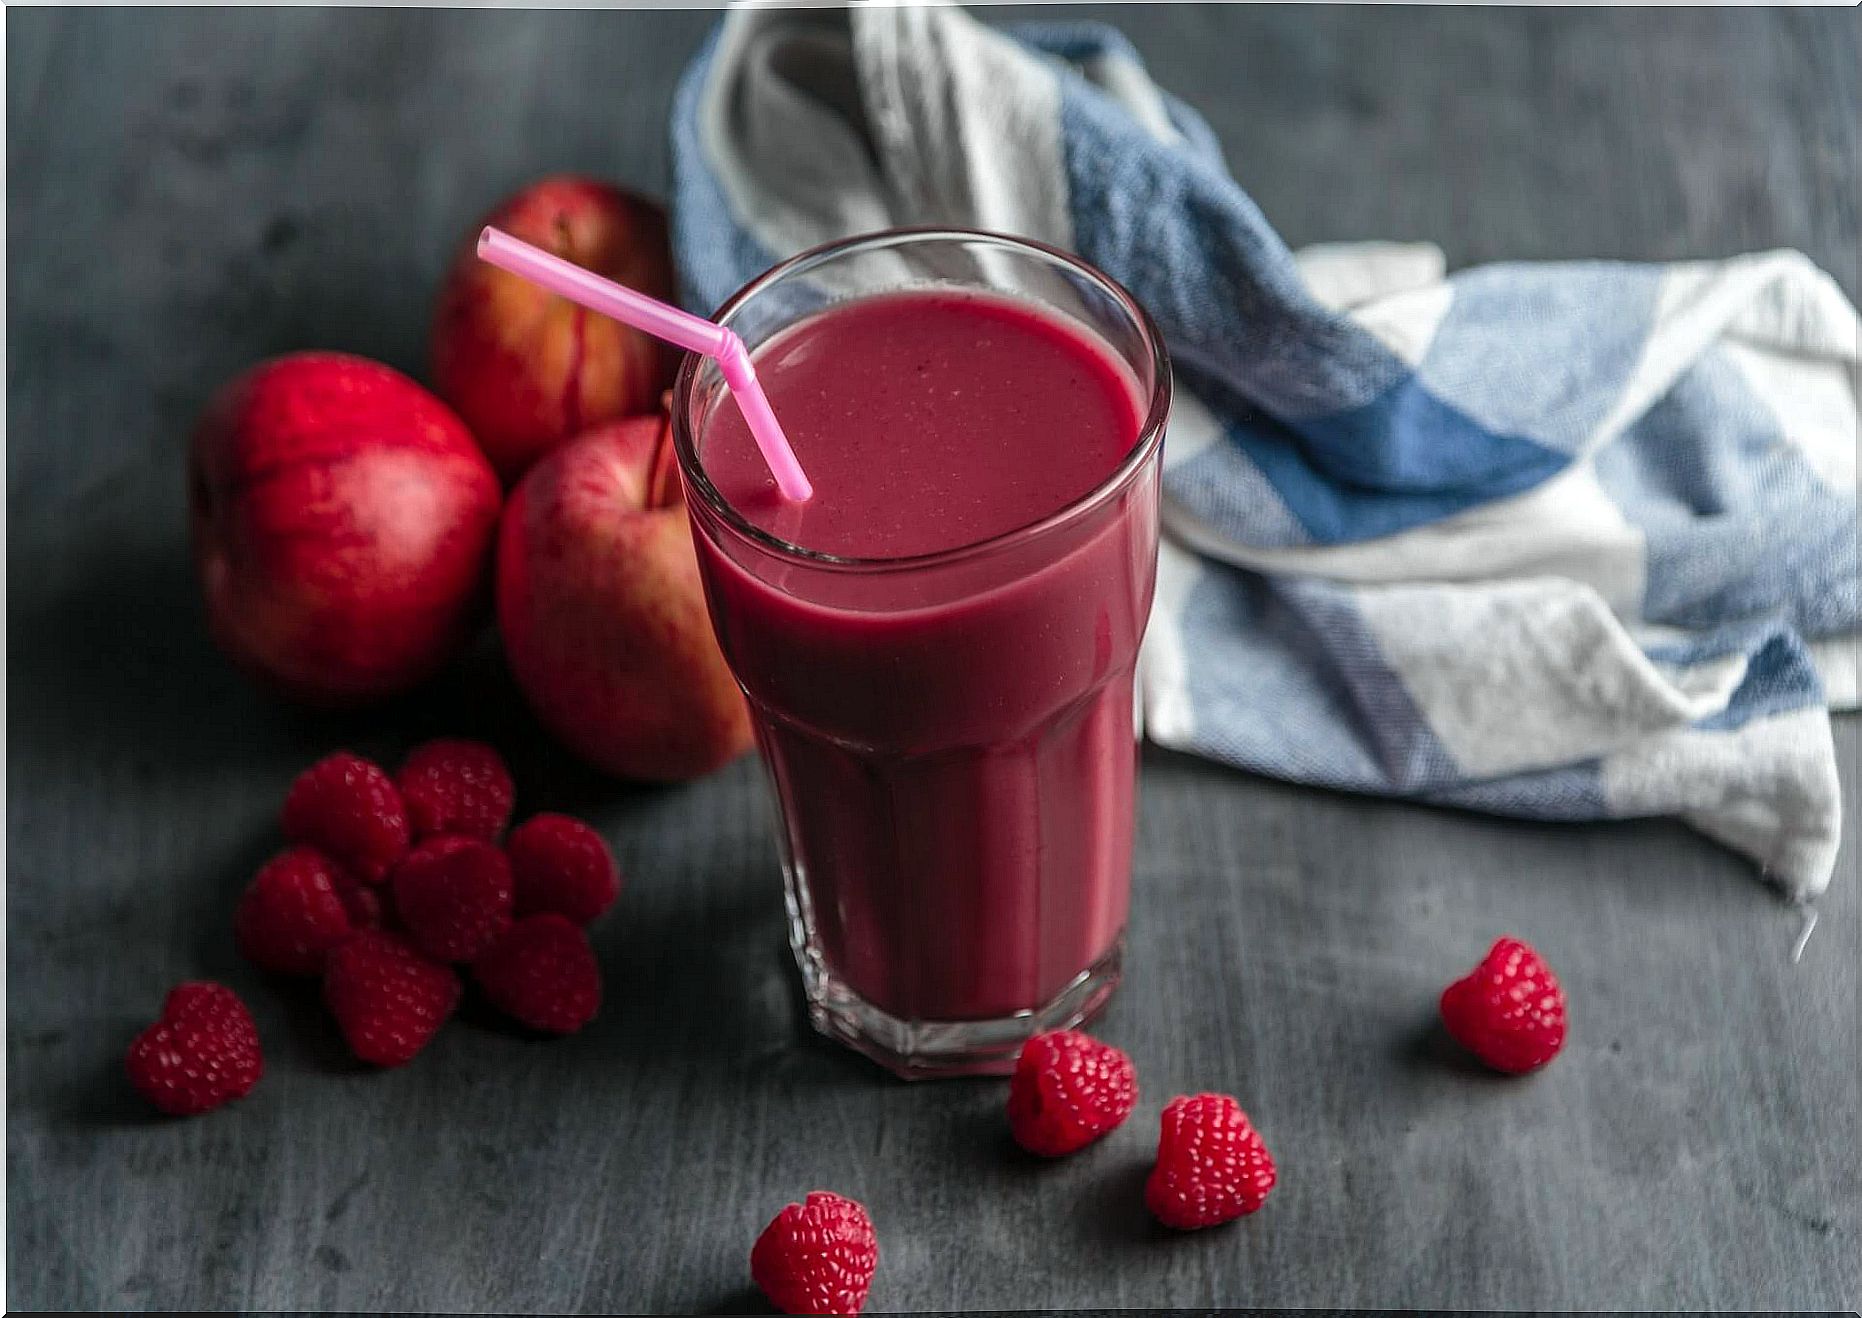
[[927, 420]]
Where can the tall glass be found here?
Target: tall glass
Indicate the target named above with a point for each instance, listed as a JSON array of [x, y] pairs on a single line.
[[949, 737]]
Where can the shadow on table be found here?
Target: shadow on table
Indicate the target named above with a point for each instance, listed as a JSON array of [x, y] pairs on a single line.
[[712, 959], [1111, 1215], [1428, 1047], [743, 1300], [100, 1098]]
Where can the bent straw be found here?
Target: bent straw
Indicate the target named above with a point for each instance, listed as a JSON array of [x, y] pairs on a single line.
[[680, 328]]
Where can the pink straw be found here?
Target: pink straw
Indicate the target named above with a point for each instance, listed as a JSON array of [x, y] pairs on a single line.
[[651, 316]]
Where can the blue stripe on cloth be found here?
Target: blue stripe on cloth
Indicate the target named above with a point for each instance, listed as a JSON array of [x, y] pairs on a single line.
[[1197, 252], [1541, 352], [1780, 674], [1737, 524], [1573, 791], [1222, 488], [1780, 678], [1355, 445], [1436, 466], [1288, 681], [1402, 459]]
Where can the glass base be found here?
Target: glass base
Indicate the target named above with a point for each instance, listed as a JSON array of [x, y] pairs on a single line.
[[926, 1050]]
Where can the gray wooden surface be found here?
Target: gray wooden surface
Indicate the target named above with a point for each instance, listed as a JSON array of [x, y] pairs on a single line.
[[191, 190]]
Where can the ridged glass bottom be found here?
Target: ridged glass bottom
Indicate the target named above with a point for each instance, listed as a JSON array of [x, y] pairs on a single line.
[[929, 1050], [945, 906]]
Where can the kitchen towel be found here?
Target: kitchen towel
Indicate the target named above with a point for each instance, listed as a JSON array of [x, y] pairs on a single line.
[[1562, 540]]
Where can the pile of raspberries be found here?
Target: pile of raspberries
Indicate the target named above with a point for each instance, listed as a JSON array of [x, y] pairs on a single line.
[[391, 890]]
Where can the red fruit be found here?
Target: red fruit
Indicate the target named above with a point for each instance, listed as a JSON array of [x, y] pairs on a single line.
[[561, 864], [203, 1052], [454, 895], [342, 521], [1068, 1090], [347, 807], [456, 786], [817, 1257], [292, 914], [1509, 1011], [1211, 1165], [602, 613], [387, 998], [528, 369], [543, 974]]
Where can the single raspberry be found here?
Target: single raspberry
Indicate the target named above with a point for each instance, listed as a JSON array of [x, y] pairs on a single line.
[[561, 864], [1211, 1165], [817, 1257], [454, 895], [1509, 1011], [203, 1052], [387, 998], [293, 913], [543, 974], [454, 786], [1068, 1090], [346, 807]]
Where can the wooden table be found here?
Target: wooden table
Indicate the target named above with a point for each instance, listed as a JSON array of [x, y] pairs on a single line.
[[191, 190]]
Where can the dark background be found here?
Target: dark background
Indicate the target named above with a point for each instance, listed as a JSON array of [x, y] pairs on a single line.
[[189, 191]]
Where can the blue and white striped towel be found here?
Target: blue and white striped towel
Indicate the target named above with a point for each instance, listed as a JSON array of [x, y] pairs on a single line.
[[1564, 541]]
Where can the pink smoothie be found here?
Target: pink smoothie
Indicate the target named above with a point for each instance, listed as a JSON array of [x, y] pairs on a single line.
[[951, 740]]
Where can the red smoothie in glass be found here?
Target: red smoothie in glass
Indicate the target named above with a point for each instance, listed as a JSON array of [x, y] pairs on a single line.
[[950, 734]]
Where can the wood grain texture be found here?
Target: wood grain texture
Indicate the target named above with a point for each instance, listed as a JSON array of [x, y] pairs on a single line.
[[190, 190]]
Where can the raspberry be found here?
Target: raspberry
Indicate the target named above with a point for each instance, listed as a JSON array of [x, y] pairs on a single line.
[[453, 786], [543, 974], [293, 913], [454, 895], [561, 864], [817, 1257], [1068, 1090], [387, 998], [203, 1052], [345, 806], [1509, 1011], [1211, 1165]]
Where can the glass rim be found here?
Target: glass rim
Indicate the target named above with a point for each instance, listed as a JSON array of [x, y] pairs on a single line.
[[1150, 431]]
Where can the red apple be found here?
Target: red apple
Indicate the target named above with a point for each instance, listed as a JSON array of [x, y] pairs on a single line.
[[527, 369], [602, 613], [342, 521]]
